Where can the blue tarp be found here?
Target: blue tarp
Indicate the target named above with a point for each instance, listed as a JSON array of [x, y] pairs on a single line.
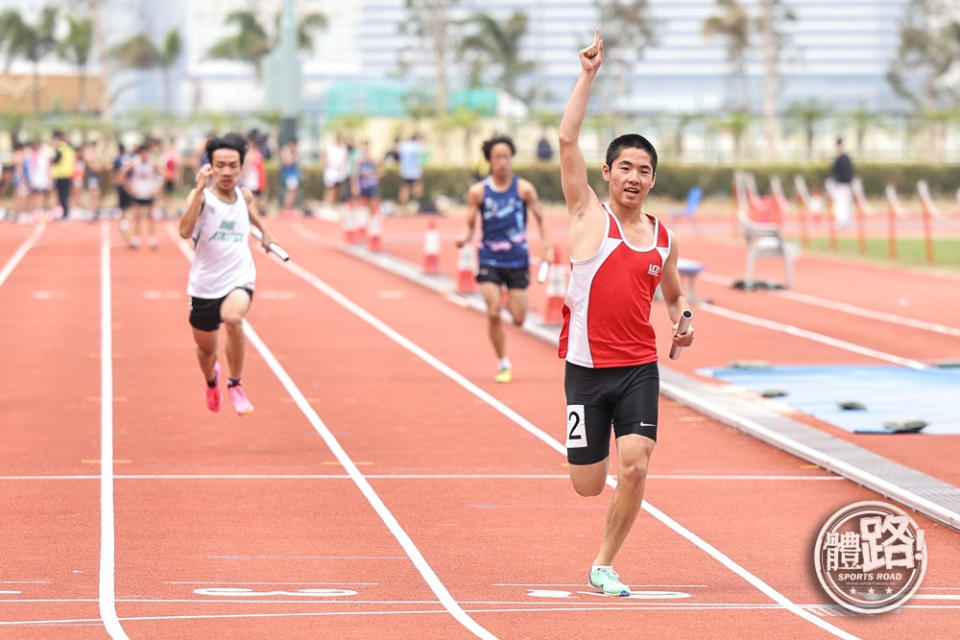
[[888, 392]]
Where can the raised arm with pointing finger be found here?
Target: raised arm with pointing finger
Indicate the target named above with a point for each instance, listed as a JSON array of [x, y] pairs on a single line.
[[587, 219]]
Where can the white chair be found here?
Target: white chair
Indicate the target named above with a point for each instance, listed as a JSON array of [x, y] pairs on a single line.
[[763, 241]]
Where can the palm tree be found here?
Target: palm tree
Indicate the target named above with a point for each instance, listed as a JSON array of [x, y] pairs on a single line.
[[33, 42], [926, 57], [733, 24], [493, 43], [140, 52], [629, 30], [432, 21], [773, 14], [75, 48], [861, 118], [736, 124], [252, 43], [808, 114]]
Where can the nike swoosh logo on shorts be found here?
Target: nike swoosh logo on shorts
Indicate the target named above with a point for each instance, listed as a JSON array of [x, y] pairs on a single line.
[[646, 424]]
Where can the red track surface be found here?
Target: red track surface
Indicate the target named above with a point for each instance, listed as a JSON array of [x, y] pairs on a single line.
[[201, 504]]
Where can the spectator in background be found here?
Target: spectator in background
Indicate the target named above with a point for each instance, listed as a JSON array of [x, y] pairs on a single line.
[[392, 156], [39, 174], [365, 179], [410, 154], [93, 177], [290, 173], [841, 186], [61, 170], [143, 179], [335, 158], [544, 150], [254, 175], [121, 167], [171, 174]]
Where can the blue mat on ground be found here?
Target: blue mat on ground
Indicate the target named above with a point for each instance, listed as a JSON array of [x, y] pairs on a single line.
[[888, 392]]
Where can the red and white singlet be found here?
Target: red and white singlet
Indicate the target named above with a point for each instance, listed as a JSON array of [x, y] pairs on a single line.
[[606, 313]]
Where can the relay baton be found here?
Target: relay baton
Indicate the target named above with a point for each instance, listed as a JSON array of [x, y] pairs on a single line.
[[273, 247], [684, 324], [542, 273]]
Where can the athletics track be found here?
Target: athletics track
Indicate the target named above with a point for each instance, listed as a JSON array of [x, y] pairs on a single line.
[[385, 487]]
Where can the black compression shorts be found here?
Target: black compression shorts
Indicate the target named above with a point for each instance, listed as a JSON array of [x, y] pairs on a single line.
[[627, 397]]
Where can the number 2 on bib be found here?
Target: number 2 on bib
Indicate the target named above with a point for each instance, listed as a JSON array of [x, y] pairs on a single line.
[[576, 427]]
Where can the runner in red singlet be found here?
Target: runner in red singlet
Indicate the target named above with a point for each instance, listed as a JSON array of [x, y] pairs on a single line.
[[619, 256]]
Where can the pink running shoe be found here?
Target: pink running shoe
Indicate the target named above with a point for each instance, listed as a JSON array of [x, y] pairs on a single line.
[[241, 403], [213, 393]]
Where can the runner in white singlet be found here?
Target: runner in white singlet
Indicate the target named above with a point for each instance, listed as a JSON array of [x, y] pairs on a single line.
[[218, 218]]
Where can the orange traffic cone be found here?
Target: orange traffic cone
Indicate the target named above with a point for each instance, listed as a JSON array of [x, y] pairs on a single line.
[[467, 269], [556, 290], [431, 250], [375, 232]]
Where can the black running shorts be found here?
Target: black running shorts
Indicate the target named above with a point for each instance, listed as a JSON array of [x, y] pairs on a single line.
[[627, 397], [205, 312], [510, 278]]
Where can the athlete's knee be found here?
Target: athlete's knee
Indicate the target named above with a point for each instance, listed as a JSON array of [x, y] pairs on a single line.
[[588, 487], [206, 353], [233, 320], [633, 472], [588, 480], [493, 315], [519, 317]]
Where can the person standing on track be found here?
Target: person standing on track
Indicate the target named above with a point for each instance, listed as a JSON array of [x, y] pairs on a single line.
[[503, 199], [619, 255], [218, 219]]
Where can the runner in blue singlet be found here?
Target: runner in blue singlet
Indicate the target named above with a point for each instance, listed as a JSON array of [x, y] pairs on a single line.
[[503, 200]]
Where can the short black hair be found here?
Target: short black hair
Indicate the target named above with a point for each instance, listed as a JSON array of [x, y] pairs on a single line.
[[631, 141], [233, 141], [489, 144]]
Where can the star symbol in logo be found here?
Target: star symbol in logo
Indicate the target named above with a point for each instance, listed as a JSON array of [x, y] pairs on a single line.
[[853, 592], [889, 589], [871, 590]]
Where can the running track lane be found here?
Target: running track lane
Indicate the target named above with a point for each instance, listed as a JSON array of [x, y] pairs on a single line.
[[732, 340], [51, 423], [481, 534], [473, 353], [278, 538]]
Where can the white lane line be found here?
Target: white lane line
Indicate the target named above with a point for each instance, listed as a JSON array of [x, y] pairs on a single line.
[[846, 307], [419, 476], [541, 435], [810, 335], [429, 576], [649, 606], [21, 251], [107, 591]]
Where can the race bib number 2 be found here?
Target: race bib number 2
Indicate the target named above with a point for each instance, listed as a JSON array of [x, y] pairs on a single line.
[[576, 427]]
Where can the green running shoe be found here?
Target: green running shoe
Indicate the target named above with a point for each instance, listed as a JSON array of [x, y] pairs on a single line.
[[607, 581]]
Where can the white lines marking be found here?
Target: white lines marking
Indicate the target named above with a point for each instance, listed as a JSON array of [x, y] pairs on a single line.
[[811, 335], [541, 435], [554, 607], [851, 309], [21, 251], [419, 476], [108, 609], [421, 564]]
